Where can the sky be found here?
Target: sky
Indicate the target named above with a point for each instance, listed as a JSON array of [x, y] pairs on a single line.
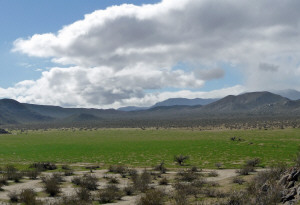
[[116, 53]]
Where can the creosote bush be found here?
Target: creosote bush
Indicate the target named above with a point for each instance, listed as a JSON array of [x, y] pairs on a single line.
[[43, 166], [238, 180], [141, 181], [32, 174], [13, 197], [109, 194], [161, 168], [253, 162], [83, 194], [87, 181], [118, 169], [51, 185], [128, 190], [152, 197], [213, 174], [113, 180], [164, 181], [219, 165], [28, 197], [68, 171], [187, 175], [10, 172], [180, 159]]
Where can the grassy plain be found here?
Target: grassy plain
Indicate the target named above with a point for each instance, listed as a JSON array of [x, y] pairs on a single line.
[[144, 148]]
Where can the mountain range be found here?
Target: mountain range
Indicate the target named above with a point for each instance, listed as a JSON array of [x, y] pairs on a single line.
[[259, 104]]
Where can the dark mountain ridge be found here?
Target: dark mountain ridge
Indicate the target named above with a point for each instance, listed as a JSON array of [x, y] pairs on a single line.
[[259, 104]]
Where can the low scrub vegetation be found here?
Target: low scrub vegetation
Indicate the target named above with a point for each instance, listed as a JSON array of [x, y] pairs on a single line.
[[109, 194]]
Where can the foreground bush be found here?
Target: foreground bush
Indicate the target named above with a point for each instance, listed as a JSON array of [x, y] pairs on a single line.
[[32, 174], [87, 181], [109, 194], [141, 182], [187, 175], [83, 194], [28, 197], [13, 197], [51, 185], [10, 172], [152, 197]]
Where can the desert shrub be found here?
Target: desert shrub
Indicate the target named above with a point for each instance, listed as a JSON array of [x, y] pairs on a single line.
[[43, 166], [164, 181], [161, 168], [66, 167], [132, 172], [212, 184], [180, 198], [13, 197], [237, 198], [89, 181], [83, 194], [17, 176], [32, 174], [264, 188], [118, 169], [152, 197], [195, 169], [213, 193], [180, 159], [10, 172], [253, 162], [141, 182], [219, 165], [71, 200], [51, 186], [68, 171], [128, 190], [213, 174], [92, 167], [187, 175], [109, 194], [238, 180], [245, 170], [76, 180], [28, 197], [3, 180], [297, 159], [199, 183], [186, 189], [113, 180], [58, 177]]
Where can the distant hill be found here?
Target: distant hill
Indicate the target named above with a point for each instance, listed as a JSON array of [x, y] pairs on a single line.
[[82, 117], [132, 108], [248, 102], [184, 101], [171, 102], [255, 104], [289, 93], [14, 112]]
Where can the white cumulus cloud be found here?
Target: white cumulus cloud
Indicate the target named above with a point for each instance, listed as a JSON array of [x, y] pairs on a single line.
[[113, 57]]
